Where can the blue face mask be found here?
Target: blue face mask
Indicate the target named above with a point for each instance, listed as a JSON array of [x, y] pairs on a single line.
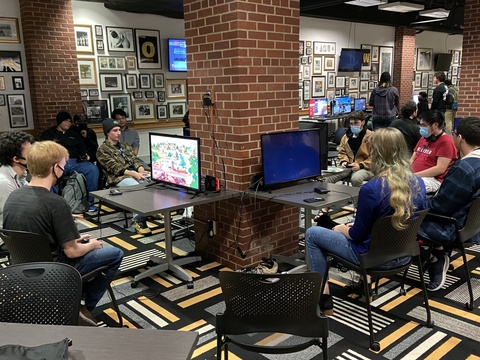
[[424, 132], [355, 129]]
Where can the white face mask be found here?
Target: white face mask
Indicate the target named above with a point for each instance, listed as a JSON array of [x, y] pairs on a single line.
[[355, 129]]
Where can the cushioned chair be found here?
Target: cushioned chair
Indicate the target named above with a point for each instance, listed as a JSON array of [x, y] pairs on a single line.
[[387, 243], [27, 247], [333, 144], [260, 303], [40, 293]]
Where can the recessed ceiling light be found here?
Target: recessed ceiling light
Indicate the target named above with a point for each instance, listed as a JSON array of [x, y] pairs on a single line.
[[400, 7], [435, 13], [366, 3]]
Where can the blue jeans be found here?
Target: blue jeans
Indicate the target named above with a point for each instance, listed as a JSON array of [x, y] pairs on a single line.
[[128, 182], [86, 168], [94, 289]]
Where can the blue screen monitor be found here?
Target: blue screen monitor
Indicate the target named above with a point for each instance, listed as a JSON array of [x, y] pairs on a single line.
[[455, 123], [290, 156], [360, 104], [177, 55], [350, 60], [321, 107], [343, 105]]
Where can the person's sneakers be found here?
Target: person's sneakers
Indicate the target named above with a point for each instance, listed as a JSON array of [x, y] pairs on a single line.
[[326, 305], [438, 272], [267, 266], [158, 216], [92, 208], [141, 228], [85, 318]]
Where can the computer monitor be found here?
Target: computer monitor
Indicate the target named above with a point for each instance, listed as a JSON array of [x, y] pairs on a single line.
[[290, 156], [323, 127], [320, 107], [455, 122], [177, 55], [415, 98], [343, 105], [175, 160], [360, 104]]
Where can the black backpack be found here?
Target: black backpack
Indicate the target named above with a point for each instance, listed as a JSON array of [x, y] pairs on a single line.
[[75, 193]]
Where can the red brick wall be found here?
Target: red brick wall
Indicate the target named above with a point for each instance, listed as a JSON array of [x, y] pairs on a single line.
[[247, 52], [51, 59], [403, 62]]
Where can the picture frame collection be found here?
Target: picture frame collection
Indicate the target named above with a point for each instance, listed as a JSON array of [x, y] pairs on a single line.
[[124, 67]]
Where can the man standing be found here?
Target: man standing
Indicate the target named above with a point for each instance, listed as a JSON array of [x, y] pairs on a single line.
[[36, 209], [128, 135], [422, 105], [460, 187], [451, 106], [385, 102], [439, 93], [408, 125]]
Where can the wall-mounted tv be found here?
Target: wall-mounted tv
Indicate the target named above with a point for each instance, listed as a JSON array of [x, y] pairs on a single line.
[[342, 105], [175, 160], [350, 60], [442, 61], [177, 55]]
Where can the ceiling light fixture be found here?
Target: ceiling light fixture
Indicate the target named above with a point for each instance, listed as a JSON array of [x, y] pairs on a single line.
[[400, 7], [438, 13], [366, 3]]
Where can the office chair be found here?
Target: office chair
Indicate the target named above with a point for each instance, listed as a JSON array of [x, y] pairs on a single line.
[[387, 243], [333, 145], [27, 247], [256, 303], [40, 293]]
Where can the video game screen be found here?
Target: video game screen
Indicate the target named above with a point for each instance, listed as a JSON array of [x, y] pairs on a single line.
[[343, 105]]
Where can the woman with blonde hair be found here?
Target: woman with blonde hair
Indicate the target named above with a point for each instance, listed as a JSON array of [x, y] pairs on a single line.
[[394, 191]]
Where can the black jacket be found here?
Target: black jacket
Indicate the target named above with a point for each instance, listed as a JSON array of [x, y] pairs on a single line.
[[70, 140], [410, 130]]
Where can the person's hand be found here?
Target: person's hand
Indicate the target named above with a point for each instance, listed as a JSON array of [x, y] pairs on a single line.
[[138, 176], [97, 244], [83, 237], [343, 164], [87, 157], [354, 166]]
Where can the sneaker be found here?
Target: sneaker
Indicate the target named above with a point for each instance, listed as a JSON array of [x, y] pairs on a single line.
[[438, 273], [92, 208], [141, 228], [267, 266], [326, 305], [158, 216], [85, 318]]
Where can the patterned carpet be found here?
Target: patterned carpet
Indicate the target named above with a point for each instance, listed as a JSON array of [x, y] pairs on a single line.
[[164, 302]]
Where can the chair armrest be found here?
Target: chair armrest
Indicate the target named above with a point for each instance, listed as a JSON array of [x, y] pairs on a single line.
[[438, 217], [92, 274]]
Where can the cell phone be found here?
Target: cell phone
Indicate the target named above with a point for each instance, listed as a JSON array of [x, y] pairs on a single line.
[[84, 241], [314, 199], [321, 191], [349, 166]]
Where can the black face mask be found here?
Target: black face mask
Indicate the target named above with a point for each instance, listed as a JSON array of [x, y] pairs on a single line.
[[19, 163], [59, 179]]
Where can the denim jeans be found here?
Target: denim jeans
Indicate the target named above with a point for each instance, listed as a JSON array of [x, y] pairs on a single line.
[[94, 289], [86, 168], [128, 182]]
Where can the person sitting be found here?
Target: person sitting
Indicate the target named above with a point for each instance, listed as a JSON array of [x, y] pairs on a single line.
[[34, 208], [128, 135], [393, 191], [89, 136], [121, 166], [459, 188], [353, 151], [434, 153], [78, 156], [408, 125]]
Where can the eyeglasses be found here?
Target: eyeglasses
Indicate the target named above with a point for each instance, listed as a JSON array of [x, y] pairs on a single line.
[[454, 133]]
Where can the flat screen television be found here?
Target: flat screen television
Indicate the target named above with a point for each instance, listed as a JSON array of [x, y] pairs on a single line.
[[442, 61], [320, 107], [177, 55], [175, 160], [342, 105], [322, 126], [350, 60], [290, 156], [360, 104]]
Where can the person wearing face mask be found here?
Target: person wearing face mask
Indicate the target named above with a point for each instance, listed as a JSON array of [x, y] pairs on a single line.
[[434, 153], [354, 152], [422, 105]]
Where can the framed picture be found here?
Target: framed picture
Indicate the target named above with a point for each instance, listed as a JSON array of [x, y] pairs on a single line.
[[145, 81], [365, 75], [430, 80], [309, 59], [137, 95], [95, 110], [120, 39], [318, 86], [83, 39], [10, 61], [353, 95], [418, 79], [308, 43], [9, 32], [93, 92], [454, 70], [176, 89], [424, 83], [385, 62], [2, 83], [87, 73], [2, 100], [366, 57], [17, 111], [131, 81], [430, 93], [83, 92], [456, 57], [158, 81], [330, 94], [374, 70], [100, 45], [303, 60], [375, 51], [144, 110], [121, 101], [149, 94], [329, 63], [363, 85], [317, 65], [131, 62], [177, 110], [161, 96], [424, 59], [306, 72], [454, 80], [98, 30], [353, 83], [308, 51], [306, 90], [148, 49], [301, 47], [17, 82], [111, 63], [330, 80], [161, 111], [111, 82], [340, 82], [324, 48]]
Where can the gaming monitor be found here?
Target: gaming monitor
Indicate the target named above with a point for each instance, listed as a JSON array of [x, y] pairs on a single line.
[[322, 126], [175, 160], [442, 61], [342, 105], [290, 156], [177, 55], [350, 60], [360, 104], [320, 107]]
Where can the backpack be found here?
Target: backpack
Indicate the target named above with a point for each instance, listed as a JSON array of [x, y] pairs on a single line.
[[75, 193], [451, 98]]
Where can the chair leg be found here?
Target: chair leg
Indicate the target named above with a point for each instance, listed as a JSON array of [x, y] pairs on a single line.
[[219, 346], [430, 323], [402, 284], [98, 210], [469, 305], [374, 345], [325, 278], [126, 219], [325, 348], [114, 301]]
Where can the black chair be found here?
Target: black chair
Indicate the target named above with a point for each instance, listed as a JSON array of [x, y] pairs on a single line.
[[470, 229], [27, 247], [387, 243], [40, 293], [260, 303]]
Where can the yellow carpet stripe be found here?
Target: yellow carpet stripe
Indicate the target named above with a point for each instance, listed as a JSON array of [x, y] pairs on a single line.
[[476, 272], [150, 224], [86, 223], [399, 300], [458, 262], [191, 273], [136, 236], [336, 282], [122, 243], [473, 357], [199, 298], [225, 269], [121, 281], [158, 279], [209, 266], [157, 231], [397, 334], [111, 313], [161, 244], [157, 308], [444, 349], [269, 339], [204, 348], [106, 208], [454, 311], [175, 250], [193, 326]]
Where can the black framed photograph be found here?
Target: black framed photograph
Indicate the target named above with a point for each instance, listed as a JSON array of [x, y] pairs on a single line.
[[177, 110], [83, 92], [161, 111], [148, 49], [149, 94], [111, 82], [10, 61], [131, 81], [424, 59], [2, 100], [161, 96], [95, 110], [144, 110], [131, 62], [9, 31], [144, 81], [83, 39], [318, 86], [93, 92], [17, 82], [17, 110], [100, 45], [158, 81], [121, 101], [120, 39], [98, 30], [138, 95]]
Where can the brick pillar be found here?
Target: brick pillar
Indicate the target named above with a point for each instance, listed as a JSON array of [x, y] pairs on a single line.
[[403, 62], [51, 59], [247, 52]]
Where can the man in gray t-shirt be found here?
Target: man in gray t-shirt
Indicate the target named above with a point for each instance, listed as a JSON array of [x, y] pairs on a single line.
[[128, 136]]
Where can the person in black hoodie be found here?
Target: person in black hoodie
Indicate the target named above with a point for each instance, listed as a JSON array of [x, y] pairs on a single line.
[[422, 105], [408, 125], [439, 93], [384, 99], [88, 136]]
